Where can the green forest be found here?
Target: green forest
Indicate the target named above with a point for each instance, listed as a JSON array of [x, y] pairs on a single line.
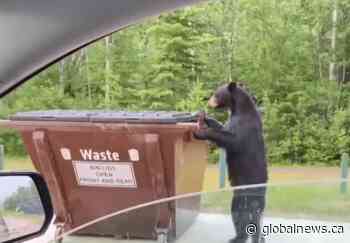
[[294, 55]]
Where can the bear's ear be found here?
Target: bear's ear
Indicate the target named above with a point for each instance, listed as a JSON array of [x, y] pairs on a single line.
[[232, 86]]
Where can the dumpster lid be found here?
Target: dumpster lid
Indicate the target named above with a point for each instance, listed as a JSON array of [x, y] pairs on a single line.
[[104, 116]]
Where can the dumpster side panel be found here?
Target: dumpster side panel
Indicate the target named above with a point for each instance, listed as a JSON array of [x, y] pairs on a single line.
[[100, 155], [167, 163], [82, 200], [190, 166], [191, 161]]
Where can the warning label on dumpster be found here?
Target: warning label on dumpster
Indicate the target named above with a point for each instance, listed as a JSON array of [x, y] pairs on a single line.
[[105, 174]]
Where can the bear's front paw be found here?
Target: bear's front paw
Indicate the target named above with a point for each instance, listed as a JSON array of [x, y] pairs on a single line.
[[201, 120], [201, 134]]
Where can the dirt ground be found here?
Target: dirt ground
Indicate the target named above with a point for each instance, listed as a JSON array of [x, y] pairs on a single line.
[[304, 173], [278, 175]]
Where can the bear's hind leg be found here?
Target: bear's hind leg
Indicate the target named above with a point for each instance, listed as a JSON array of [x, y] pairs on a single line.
[[256, 204], [240, 218]]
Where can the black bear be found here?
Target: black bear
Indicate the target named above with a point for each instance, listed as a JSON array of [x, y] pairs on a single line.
[[242, 139]]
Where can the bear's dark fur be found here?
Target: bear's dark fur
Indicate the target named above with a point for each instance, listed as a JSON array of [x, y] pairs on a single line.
[[242, 139]]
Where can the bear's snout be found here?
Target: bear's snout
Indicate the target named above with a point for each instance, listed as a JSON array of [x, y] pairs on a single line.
[[213, 102]]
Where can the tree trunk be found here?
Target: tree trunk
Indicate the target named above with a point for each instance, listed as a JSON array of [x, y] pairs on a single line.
[[87, 74], [343, 71], [332, 64], [234, 38], [61, 77], [319, 57], [107, 72]]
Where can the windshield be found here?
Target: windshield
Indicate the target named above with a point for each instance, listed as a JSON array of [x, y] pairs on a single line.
[[136, 132], [306, 211]]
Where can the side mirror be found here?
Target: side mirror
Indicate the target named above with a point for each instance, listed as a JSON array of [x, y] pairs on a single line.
[[25, 206]]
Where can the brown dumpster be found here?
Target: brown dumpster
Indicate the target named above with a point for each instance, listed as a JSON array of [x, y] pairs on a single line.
[[99, 162]]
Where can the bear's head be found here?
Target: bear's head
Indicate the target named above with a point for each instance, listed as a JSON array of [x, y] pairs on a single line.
[[233, 97]]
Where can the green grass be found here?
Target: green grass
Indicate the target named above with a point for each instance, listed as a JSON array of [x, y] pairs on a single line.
[[18, 164], [323, 202], [316, 201]]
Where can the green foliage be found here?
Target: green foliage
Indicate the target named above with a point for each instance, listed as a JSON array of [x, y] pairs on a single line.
[[280, 49], [195, 100], [12, 141], [307, 126]]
